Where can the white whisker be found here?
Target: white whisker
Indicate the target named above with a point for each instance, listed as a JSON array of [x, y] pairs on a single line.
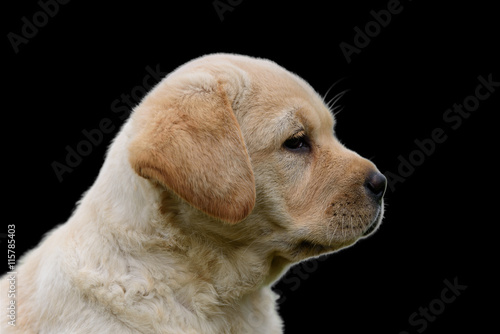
[[335, 99], [336, 110], [328, 91], [361, 223], [328, 229], [352, 227], [333, 234]]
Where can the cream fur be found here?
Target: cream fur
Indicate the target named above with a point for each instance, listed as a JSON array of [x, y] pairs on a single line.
[[198, 209]]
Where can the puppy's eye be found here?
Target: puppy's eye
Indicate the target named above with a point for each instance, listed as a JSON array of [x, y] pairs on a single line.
[[299, 142]]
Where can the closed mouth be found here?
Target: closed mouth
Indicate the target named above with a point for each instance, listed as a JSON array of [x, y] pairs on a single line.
[[374, 224]]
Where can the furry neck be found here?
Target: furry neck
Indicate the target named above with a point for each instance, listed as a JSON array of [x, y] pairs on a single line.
[[166, 248]]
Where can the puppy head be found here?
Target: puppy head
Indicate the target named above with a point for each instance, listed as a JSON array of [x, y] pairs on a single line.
[[247, 142]]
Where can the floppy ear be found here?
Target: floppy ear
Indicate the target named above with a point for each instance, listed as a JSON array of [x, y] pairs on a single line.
[[189, 140]]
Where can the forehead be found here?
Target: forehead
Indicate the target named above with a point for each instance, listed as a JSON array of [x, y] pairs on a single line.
[[281, 102]]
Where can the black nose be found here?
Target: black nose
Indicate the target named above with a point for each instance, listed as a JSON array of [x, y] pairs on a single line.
[[375, 184]]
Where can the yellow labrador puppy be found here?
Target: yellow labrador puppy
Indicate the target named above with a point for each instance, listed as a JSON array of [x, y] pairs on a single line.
[[227, 173]]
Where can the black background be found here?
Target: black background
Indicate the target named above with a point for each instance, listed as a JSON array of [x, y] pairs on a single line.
[[440, 223]]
